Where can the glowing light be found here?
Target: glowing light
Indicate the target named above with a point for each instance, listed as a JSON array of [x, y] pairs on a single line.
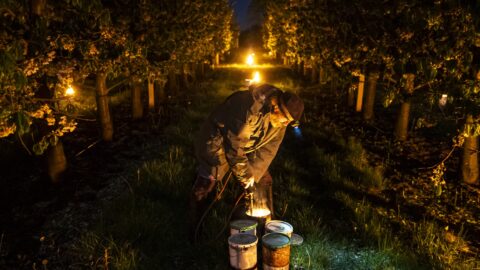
[[259, 212], [298, 132], [256, 77], [443, 100], [70, 91], [250, 59]]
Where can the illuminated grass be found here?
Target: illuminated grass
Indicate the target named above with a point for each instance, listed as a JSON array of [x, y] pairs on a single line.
[[318, 185]]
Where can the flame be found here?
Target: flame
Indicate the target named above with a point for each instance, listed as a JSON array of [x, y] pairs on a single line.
[[70, 91], [250, 59], [256, 77], [259, 212]]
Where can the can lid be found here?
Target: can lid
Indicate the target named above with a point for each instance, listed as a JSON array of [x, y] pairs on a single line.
[[242, 239], [243, 224], [279, 226], [296, 239], [275, 240]]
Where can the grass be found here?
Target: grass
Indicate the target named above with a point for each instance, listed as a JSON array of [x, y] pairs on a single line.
[[319, 184]]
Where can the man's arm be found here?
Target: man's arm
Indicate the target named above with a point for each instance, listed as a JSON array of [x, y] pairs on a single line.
[[260, 160], [236, 132]]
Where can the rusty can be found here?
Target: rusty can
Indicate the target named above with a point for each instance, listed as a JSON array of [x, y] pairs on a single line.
[[276, 251]]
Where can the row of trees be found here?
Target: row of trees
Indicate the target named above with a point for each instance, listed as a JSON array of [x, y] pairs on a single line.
[[429, 47], [48, 46]]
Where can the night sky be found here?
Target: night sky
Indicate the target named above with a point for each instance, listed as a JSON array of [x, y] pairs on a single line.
[[240, 8]]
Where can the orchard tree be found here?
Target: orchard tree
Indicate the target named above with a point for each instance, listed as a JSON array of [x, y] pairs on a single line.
[[34, 77]]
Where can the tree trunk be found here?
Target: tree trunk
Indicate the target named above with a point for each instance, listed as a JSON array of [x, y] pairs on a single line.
[[285, 61], [207, 66], [184, 77], [301, 68], [200, 70], [160, 89], [306, 71], [321, 75], [334, 84], [361, 85], [401, 127], [56, 162], [172, 82], [151, 94], [351, 96], [38, 7], [106, 125], [368, 111], [137, 108], [193, 71], [470, 157], [314, 73]]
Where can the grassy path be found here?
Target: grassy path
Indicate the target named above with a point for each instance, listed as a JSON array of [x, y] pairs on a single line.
[[317, 188]]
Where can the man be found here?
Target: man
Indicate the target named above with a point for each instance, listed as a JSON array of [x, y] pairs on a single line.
[[243, 135]]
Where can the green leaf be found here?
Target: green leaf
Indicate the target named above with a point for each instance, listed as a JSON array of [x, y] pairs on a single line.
[[40, 147], [20, 80], [23, 123]]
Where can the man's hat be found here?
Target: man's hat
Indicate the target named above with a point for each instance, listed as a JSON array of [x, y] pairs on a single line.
[[291, 105]]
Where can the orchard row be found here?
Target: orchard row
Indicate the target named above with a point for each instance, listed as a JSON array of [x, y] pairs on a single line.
[[428, 49], [47, 47]]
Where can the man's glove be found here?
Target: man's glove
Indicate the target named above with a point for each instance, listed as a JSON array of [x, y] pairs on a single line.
[[247, 183]]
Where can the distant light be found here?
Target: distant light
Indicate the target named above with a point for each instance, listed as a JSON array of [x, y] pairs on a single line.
[[256, 77], [70, 91], [443, 100], [250, 59]]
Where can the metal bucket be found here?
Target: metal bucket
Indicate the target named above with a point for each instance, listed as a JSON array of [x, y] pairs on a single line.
[[243, 226], [242, 248], [278, 226], [276, 251]]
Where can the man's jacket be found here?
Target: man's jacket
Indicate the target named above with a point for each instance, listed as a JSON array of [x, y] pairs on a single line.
[[238, 132]]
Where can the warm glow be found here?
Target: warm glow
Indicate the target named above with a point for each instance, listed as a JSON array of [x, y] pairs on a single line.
[[256, 77], [69, 91], [443, 100], [250, 59], [259, 212]]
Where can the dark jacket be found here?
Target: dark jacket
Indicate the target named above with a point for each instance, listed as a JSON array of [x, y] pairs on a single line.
[[238, 132]]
